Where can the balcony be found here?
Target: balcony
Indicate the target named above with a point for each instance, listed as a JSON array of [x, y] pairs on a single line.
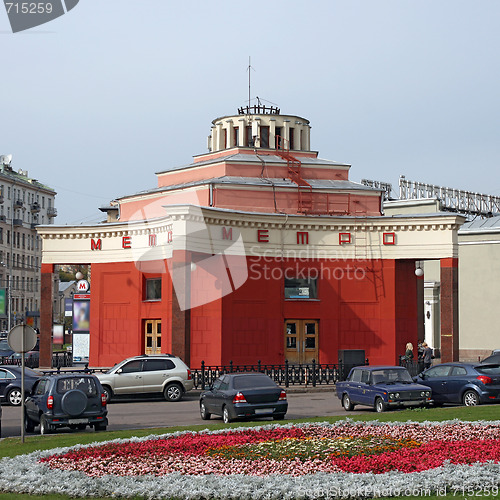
[[3, 218], [35, 208], [17, 222], [51, 211], [18, 204], [33, 225]]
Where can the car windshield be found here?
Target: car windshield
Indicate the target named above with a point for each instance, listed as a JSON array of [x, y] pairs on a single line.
[[84, 384], [488, 369], [388, 376], [253, 381]]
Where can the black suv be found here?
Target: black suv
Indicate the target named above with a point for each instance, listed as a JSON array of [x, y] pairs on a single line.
[[66, 400]]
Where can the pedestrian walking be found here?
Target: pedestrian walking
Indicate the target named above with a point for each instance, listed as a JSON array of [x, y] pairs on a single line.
[[427, 355]]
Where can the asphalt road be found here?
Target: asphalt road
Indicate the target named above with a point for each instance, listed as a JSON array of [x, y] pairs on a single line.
[[148, 413]]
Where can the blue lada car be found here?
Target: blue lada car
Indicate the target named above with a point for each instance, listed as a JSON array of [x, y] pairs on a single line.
[[381, 387]]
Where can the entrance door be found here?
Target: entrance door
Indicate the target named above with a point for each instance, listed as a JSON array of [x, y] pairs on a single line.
[[152, 336], [301, 340]]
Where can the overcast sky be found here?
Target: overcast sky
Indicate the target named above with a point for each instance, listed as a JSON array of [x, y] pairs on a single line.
[[97, 101]]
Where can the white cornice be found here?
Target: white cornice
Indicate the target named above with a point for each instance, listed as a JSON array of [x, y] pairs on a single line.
[[221, 217]]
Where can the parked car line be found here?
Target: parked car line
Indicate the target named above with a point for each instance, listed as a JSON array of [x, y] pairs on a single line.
[[10, 383], [156, 374], [66, 399], [469, 384], [243, 395], [381, 387]]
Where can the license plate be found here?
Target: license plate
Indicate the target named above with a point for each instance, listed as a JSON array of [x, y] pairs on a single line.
[[263, 411], [78, 421]]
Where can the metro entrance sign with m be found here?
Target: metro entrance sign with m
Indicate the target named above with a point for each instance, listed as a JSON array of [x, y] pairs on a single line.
[[83, 286]]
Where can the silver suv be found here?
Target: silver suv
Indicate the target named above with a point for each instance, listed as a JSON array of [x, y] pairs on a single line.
[[145, 375]]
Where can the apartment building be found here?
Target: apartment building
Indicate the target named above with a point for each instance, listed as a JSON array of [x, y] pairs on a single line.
[[24, 203]]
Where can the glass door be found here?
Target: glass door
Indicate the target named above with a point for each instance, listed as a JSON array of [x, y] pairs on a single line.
[[301, 340]]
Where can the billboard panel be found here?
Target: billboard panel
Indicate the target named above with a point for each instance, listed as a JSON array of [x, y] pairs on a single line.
[[81, 315]]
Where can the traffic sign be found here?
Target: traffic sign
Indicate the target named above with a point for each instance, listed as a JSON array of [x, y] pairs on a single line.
[[22, 338]]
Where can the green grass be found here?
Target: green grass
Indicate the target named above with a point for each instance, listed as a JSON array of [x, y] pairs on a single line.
[[10, 447]]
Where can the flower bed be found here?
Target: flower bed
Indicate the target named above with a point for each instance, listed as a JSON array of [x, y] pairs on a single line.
[[344, 459]]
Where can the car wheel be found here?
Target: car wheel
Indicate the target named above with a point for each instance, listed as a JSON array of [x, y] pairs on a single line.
[[45, 427], [99, 427], [29, 425], [226, 418], [107, 392], [278, 417], [205, 415], [380, 405], [14, 397], [173, 392], [346, 403], [470, 398]]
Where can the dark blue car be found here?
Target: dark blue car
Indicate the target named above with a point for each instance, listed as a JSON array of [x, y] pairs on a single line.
[[381, 387], [10, 383], [462, 383]]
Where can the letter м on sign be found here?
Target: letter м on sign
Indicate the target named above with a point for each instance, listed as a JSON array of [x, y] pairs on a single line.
[[227, 234], [96, 245]]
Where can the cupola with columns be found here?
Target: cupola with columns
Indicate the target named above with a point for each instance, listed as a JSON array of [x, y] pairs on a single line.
[[261, 127]]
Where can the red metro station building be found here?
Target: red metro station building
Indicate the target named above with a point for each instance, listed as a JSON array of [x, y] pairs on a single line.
[[257, 250]]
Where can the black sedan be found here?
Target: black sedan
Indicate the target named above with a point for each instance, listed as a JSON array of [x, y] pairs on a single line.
[[243, 395], [10, 383], [469, 384]]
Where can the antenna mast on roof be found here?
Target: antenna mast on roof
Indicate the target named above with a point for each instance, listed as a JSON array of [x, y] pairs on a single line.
[[249, 68]]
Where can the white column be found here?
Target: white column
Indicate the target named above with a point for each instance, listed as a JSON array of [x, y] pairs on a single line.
[[272, 133], [220, 137], [298, 135], [307, 138], [230, 134], [286, 134], [242, 130]]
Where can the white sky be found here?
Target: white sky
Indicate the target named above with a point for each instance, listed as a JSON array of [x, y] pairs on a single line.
[[97, 101]]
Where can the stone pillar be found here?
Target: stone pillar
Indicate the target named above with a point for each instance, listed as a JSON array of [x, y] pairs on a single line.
[[46, 315], [449, 310], [181, 300], [307, 138], [286, 134], [230, 134], [242, 130], [220, 137], [272, 133]]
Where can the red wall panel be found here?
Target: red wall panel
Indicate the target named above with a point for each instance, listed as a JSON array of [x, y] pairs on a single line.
[[370, 305]]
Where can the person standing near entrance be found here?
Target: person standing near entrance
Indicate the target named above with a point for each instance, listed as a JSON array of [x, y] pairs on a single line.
[[408, 359], [427, 355], [409, 353]]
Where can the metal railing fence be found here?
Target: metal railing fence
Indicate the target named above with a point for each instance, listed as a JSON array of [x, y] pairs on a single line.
[[59, 360], [287, 374]]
